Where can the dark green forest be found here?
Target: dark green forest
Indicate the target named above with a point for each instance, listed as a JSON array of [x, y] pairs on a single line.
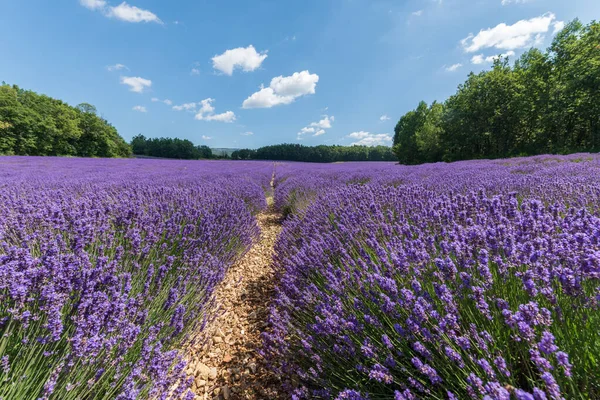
[[322, 154], [547, 102], [38, 125], [169, 148]]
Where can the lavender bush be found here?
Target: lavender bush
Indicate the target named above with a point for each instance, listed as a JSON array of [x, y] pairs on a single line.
[[470, 280], [107, 265]]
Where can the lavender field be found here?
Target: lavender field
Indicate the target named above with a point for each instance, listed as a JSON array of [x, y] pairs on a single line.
[[476, 279]]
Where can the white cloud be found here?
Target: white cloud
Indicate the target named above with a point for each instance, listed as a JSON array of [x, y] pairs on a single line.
[[505, 2], [140, 109], [306, 130], [123, 11], [248, 59], [128, 13], [454, 67], [135, 83], [417, 13], [186, 107], [227, 116], [204, 137], [325, 123], [116, 67], [480, 59], [298, 84], [93, 4], [247, 133], [384, 117], [523, 33], [283, 90], [195, 71], [206, 107], [317, 128], [166, 101], [266, 98], [207, 112], [370, 139], [558, 26]]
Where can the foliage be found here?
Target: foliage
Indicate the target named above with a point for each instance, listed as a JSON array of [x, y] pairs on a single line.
[[33, 124], [322, 153], [169, 148], [548, 102], [475, 279]]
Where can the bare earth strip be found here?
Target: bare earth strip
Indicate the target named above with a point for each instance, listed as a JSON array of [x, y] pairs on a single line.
[[228, 366]]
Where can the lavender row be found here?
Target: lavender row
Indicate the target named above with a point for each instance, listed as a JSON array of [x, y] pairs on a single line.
[[445, 281], [107, 265]]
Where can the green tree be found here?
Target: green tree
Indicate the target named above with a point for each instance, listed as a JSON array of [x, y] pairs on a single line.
[[547, 102], [34, 124]]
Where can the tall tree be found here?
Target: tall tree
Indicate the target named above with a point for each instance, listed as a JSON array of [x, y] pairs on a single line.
[[547, 102], [33, 124]]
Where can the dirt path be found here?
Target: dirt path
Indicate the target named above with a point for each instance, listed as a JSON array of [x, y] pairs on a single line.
[[228, 365]]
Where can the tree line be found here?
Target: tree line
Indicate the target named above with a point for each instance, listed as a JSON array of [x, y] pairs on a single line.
[[321, 154], [169, 148], [38, 125], [547, 102]]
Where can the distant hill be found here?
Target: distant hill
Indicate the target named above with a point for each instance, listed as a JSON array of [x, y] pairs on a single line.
[[37, 125]]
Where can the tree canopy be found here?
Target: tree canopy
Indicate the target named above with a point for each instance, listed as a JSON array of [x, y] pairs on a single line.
[[34, 124], [547, 102], [169, 148], [322, 153]]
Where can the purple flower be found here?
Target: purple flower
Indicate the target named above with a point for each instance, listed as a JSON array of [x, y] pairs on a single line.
[[547, 345]]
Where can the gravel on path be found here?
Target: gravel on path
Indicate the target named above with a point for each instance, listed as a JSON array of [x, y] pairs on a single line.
[[227, 365]]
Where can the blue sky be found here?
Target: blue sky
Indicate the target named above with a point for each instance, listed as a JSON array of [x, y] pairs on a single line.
[[233, 73]]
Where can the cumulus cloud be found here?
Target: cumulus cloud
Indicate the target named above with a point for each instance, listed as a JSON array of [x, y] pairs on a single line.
[[123, 11], [93, 4], [128, 13], [116, 67], [299, 84], [324, 123], [140, 109], [521, 34], [227, 116], [384, 117], [195, 71], [166, 101], [206, 112], [206, 106], [266, 98], [317, 128], [204, 137], [505, 2], [417, 13], [135, 83], [306, 130], [480, 59], [247, 59], [185, 106], [558, 26], [370, 139], [283, 90], [247, 133], [454, 67]]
